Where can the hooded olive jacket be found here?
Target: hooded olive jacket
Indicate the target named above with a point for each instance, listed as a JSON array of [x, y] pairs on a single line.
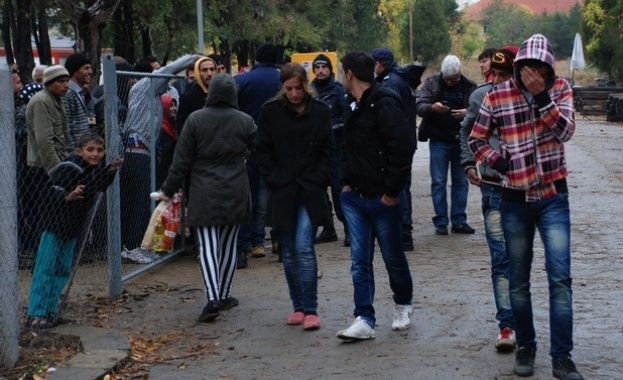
[[212, 148]]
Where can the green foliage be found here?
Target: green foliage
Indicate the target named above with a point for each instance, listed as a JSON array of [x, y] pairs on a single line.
[[430, 29], [603, 32], [507, 23], [469, 39]]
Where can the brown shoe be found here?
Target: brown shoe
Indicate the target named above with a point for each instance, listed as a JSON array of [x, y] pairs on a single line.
[[258, 251]]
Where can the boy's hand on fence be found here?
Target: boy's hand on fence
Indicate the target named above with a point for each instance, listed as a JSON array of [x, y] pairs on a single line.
[[76, 194], [115, 164]]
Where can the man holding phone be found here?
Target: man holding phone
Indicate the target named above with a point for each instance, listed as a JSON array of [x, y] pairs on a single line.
[[442, 105]]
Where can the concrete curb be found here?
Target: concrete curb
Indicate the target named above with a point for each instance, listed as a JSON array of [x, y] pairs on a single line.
[[101, 350]]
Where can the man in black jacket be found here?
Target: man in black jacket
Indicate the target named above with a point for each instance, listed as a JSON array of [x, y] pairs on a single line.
[[332, 93], [378, 155], [403, 80]]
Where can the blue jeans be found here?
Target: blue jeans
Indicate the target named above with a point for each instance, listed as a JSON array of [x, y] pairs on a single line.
[[491, 199], [551, 217], [253, 233], [442, 155], [299, 263], [367, 219]]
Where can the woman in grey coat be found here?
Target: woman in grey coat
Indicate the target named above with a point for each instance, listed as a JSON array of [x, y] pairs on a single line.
[[212, 148]]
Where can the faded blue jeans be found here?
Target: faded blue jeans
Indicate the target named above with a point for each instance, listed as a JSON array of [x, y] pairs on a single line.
[[551, 217], [443, 155], [367, 219], [299, 263], [491, 199], [253, 233]]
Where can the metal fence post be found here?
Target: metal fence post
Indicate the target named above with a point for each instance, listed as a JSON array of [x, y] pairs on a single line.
[[9, 305], [113, 144]]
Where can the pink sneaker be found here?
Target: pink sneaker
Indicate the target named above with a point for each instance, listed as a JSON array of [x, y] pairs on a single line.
[[296, 318], [311, 322]]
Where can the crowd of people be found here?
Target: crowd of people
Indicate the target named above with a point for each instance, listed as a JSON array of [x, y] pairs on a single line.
[[272, 148]]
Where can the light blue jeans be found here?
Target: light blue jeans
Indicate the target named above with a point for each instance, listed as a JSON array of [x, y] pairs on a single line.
[[444, 155], [367, 219], [551, 217], [491, 200], [299, 263]]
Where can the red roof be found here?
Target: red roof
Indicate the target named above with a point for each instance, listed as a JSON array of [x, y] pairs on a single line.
[[472, 12]]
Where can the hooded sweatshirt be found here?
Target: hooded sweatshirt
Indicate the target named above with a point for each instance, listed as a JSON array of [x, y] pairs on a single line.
[[532, 128]]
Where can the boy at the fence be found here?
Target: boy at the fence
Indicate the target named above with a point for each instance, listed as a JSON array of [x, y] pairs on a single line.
[[73, 184]]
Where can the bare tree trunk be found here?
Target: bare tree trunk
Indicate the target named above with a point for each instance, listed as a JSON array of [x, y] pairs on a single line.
[[225, 52], [89, 24], [40, 31], [21, 39], [124, 31], [146, 42], [8, 28]]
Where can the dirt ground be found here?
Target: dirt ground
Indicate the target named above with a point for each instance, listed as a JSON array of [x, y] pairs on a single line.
[[453, 328]]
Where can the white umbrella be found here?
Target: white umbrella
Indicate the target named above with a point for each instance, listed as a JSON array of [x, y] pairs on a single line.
[[577, 57]]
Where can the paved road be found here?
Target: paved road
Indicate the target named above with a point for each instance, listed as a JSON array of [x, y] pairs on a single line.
[[453, 327]]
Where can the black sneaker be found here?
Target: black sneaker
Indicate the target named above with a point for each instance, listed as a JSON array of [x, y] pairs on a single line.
[[407, 244], [564, 369], [241, 260], [229, 303], [328, 235], [210, 312], [524, 361], [462, 229], [441, 230]]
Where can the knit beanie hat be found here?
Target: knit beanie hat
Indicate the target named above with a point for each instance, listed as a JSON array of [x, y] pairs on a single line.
[[28, 91], [383, 55], [52, 73], [75, 61], [267, 53], [66, 174], [322, 59], [503, 58]]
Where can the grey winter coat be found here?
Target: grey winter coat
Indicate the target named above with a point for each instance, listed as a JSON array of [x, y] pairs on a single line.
[[487, 173], [212, 148]]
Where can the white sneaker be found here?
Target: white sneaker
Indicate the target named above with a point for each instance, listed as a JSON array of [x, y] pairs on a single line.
[[402, 317], [506, 340], [359, 330]]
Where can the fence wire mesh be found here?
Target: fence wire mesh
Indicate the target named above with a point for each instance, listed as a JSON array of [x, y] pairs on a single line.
[[78, 228]]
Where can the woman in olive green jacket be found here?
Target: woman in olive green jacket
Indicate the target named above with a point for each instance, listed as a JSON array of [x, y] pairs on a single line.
[[212, 148]]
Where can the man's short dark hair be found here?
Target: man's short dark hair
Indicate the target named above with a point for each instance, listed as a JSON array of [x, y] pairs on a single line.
[[360, 63], [144, 64], [487, 53]]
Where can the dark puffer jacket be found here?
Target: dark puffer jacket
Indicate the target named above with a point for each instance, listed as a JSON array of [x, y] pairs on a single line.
[[66, 219], [377, 145]]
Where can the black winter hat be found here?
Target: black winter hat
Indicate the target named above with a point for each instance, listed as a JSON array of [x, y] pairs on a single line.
[[267, 53], [324, 60], [66, 175], [75, 61]]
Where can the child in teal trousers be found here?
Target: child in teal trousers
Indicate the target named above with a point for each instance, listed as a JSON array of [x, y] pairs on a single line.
[[72, 187]]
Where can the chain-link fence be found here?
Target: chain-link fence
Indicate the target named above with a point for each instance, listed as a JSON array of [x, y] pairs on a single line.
[[80, 226]]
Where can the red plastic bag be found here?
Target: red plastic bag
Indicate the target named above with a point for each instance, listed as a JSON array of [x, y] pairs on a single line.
[[171, 220]]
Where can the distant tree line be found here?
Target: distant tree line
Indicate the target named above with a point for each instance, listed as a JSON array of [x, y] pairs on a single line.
[[424, 30]]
